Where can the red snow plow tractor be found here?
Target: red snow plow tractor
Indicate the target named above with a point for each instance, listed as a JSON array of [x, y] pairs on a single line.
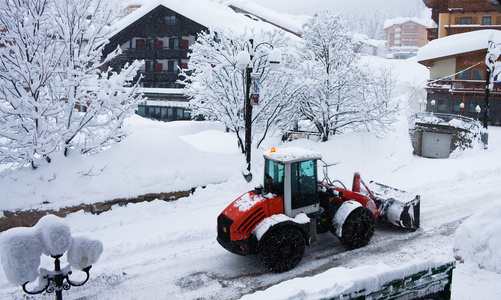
[[279, 218]]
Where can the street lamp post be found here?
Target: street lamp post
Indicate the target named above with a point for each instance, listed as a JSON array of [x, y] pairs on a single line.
[[245, 61]]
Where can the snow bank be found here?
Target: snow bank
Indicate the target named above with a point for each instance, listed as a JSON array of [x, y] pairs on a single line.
[[478, 239], [342, 281], [156, 157]]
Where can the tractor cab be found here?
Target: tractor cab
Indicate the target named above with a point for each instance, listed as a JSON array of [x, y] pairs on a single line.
[[292, 173]]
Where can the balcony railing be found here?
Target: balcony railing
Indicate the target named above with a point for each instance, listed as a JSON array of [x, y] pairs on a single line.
[[471, 6], [455, 29], [432, 33], [162, 53], [476, 87]]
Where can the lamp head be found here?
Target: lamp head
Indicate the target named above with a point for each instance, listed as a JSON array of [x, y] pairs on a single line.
[[242, 59]]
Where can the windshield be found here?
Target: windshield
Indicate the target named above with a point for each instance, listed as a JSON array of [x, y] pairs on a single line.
[[273, 177]]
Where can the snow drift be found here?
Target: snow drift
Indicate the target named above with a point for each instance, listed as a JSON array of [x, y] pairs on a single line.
[[478, 239]]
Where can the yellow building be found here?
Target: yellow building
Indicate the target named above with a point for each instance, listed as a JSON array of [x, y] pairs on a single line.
[[460, 16]]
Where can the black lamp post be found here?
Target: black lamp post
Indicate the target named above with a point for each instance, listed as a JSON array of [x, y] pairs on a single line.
[[57, 281], [245, 61]]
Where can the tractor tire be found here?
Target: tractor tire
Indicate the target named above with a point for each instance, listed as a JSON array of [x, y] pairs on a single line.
[[282, 248], [358, 228]]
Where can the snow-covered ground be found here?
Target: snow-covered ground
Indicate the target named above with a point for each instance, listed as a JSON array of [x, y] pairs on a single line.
[[168, 250]]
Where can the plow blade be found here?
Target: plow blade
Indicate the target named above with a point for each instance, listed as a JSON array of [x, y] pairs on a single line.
[[397, 207]]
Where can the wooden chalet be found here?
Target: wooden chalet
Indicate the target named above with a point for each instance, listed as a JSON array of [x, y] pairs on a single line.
[[460, 16], [457, 82], [160, 32]]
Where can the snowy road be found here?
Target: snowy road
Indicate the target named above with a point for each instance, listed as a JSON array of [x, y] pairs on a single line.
[[167, 250]]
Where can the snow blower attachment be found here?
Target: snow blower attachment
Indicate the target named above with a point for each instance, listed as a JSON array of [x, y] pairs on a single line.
[[278, 219]]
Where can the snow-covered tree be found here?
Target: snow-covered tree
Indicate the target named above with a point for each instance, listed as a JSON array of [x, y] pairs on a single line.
[[216, 84], [53, 91], [29, 59], [337, 92], [102, 96]]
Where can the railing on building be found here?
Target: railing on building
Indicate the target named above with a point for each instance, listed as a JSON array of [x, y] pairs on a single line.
[[157, 53], [471, 6], [432, 33], [456, 29], [461, 86]]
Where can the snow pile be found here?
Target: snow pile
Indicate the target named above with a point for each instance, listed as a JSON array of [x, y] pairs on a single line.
[[247, 201], [455, 44], [336, 282], [84, 252], [290, 154], [478, 239], [156, 157], [54, 234], [21, 248], [20, 252]]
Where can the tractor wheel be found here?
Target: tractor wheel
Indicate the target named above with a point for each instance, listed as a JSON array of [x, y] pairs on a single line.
[[282, 248], [358, 228]]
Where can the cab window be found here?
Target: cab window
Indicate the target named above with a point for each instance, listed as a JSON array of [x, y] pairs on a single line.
[[274, 177]]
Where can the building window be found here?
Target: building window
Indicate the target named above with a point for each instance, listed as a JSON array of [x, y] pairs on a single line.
[[473, 107], [441, 105], [174, 43], [170, 20], [172, 66], [150, 43], [148, 66], [466, 21], [457, 107], [140, 44], [486, 21], [159, 44], [478, 75], [464, 75]]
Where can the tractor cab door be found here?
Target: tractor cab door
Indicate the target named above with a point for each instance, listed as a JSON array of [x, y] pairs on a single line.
[[303, 188], [274, 173]]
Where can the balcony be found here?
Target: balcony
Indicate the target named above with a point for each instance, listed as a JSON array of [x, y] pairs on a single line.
[[130, 55], [455, 29], [162, 76], [471, 6], [432, 33], [470, 87]]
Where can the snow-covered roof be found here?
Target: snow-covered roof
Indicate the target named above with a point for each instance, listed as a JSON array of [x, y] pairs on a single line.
[[293, 23], [291, 154], [457, 44], [401, 20], [203, 12]]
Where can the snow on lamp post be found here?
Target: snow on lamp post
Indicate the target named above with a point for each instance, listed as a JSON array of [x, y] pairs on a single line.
[[245, 60], [21, 249], [478, 110]]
